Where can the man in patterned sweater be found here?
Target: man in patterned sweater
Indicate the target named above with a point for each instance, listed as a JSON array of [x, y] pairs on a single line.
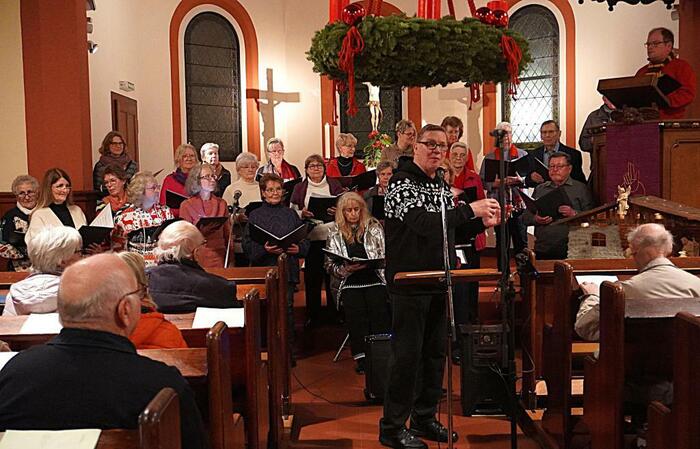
[[414, 242]]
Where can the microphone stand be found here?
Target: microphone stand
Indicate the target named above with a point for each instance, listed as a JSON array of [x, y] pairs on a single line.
[[507, 293], [233, 209], [451, 331]]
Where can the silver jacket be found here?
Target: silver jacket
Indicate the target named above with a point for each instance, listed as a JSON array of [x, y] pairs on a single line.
[[374, 246]]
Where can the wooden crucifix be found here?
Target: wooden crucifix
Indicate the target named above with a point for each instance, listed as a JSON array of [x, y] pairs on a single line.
[[272, 99]]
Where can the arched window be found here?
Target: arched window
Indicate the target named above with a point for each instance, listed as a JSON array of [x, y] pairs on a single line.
[[213, 84], [361, 124], [538, 93]]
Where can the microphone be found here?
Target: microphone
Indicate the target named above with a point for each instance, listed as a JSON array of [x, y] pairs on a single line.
[[440, 173], [236, 196]]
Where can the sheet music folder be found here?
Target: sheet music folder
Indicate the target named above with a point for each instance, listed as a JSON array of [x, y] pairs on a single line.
[[263, 236], [363, 181], [638, 91], [374, 264], [547, 205]]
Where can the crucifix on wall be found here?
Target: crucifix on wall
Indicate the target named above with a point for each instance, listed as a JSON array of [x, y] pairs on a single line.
[[267, 107]]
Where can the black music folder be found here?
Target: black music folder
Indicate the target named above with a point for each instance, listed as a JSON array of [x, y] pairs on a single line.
[[363, 181], [173, 199], [263, 236], [251, 207], [207, 225], [547, 205], [94, 234], [319, 205], [373, 264]]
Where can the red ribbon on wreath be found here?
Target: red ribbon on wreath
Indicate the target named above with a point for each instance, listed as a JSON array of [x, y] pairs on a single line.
[[475, 94], [513, 55], [353, 44]]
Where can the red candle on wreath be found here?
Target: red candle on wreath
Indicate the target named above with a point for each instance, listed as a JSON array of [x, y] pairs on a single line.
[[497, 5]]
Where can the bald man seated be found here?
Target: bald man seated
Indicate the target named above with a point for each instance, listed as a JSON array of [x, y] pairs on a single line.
[[658, 277], [90, 376]]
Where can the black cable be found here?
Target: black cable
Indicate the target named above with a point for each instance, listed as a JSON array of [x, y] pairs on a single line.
[[318, 396]]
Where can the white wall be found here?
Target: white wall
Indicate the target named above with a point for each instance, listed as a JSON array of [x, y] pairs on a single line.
[[133, 38], [14, 149]]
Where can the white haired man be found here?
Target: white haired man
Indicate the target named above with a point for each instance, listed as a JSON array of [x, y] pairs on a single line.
[[658, 277], [178, 284], [90, 376], [50, 251], [210, 154]]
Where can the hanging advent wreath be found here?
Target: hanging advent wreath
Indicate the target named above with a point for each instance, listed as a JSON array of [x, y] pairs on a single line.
[[401, 51]]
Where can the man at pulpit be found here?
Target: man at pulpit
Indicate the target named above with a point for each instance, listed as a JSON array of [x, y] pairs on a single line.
[[662, 61]]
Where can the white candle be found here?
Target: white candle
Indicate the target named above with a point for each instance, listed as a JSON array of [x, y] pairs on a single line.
[[327, 140]]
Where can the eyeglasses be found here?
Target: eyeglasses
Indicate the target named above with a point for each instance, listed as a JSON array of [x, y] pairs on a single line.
[[26, 194], [274, 190], [275, 151], [62, 187], [432, 146], [111, 181], [457, 155], [189, 156], [558, 167], [208, 177], [153, 188], [409, 133], [142, 291], [654, 43], [315, 166], [117, 143]]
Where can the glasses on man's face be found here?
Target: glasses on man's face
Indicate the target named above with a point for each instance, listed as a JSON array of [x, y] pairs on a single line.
[[434, 146], [142, 292], [27, 193], [558, 166], [314, 166], [654, 44], [274, 190], [208, 178]]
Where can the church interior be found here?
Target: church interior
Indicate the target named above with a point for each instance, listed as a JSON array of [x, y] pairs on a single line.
[[241, 72]]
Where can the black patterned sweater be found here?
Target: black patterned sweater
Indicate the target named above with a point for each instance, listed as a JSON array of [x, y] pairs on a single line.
[[413, 226]]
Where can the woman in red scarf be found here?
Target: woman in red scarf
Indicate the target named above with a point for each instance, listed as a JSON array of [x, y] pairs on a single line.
[[345, 164], [185, 160], [114, 180], [113, 151], [276, 163]]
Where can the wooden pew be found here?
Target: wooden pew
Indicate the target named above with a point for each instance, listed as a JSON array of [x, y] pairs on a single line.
[[540, 298], [678, 428], [159, 427], [635, 338]]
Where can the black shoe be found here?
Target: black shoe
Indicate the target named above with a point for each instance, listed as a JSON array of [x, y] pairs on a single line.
[[403, 439], [432, 430]]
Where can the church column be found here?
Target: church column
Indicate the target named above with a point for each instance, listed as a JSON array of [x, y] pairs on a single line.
[[57, 88], [689, 29]]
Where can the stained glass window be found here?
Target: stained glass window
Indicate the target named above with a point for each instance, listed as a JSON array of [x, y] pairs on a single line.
[[538, 93]]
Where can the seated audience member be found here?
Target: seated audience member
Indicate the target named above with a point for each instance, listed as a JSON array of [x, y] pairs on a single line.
[[55, 205], [15, 223], [402, 150], [185, 160], [200, 186], [276, 163], [134, 227], [153, 331], [315, 183], [454, 128], [599, 117], [112, 153], [552, 241], [50, 252], [90, 376], [346, 164], [385, 169], [210, 155], [516, 228], [114, 181], [178, 284], [279, 220], [362, 290], [246, 167], [658, 277]]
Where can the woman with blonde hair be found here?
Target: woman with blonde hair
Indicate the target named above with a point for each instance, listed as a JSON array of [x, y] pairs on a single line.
[[153, 331], [185, 160], [345, 164], [362, 288]]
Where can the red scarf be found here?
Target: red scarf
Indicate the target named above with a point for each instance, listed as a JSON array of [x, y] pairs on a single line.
[[512, 153]]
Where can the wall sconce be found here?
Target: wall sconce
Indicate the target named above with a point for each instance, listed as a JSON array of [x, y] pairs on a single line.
[[92, 47]]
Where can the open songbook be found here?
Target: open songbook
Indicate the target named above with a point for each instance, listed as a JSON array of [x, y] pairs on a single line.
[[547, 205], [371, 263], [99, 230], [522, 167], [173, 199], [263, 236], [363, 181], [319, 205]]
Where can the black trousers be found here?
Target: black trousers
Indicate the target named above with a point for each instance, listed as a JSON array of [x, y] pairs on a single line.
[[518, 235], [417, 359], [366, 313], [314, 277]]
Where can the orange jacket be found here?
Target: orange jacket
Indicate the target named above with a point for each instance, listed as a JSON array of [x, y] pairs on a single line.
[[155, 332]]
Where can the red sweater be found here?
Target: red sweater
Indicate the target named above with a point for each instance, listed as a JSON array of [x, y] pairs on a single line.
[[681, 71], [153, 331], [470, 178], [333, 171]]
